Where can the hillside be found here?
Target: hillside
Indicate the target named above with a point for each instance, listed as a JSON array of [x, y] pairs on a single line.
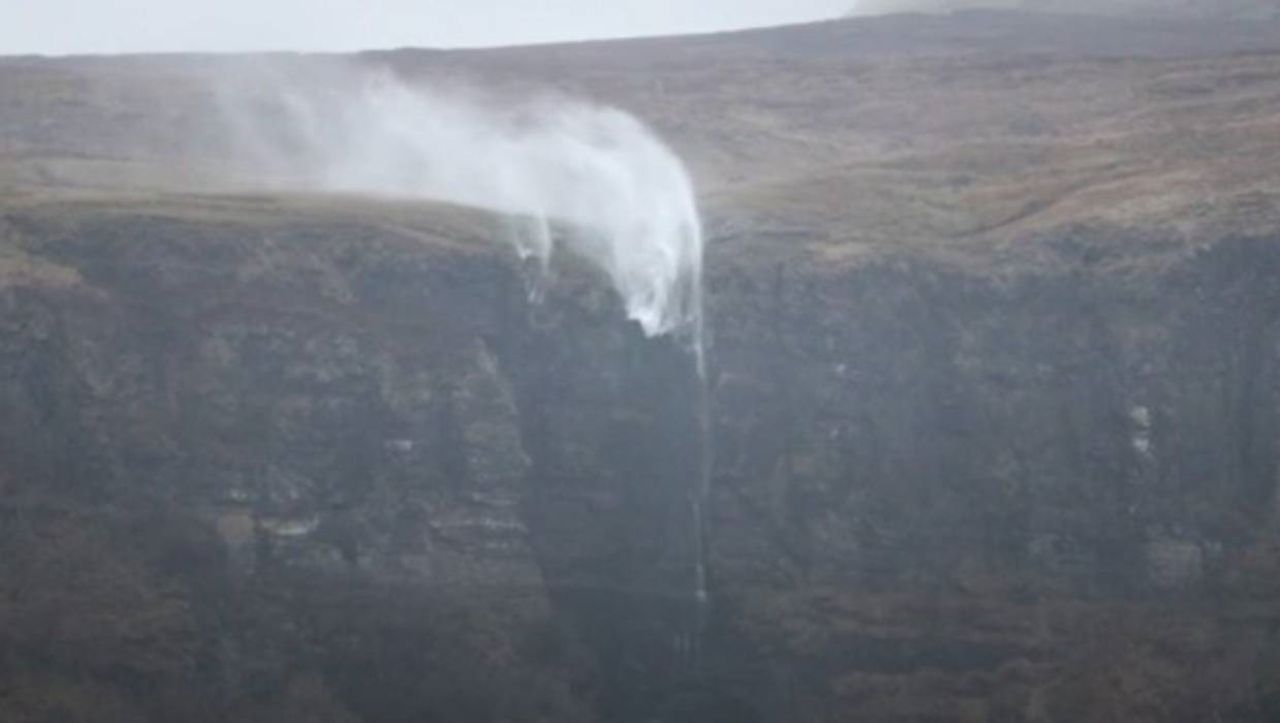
[[994, 380], [981, 126]]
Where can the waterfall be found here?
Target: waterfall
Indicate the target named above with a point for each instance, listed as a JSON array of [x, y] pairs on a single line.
[[568, 175]]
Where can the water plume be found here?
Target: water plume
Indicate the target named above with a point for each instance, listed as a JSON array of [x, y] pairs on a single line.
[[563, 173], [614, 192]]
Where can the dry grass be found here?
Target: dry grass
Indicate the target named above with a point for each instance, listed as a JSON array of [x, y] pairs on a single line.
[[893, 136]]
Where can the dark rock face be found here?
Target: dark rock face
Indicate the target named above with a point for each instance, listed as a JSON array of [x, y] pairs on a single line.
[[303, 469], [410, 490], [610, 424], [319, 414], [947, 496]]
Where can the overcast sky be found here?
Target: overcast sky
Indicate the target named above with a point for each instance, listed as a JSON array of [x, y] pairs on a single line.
[[114, 26]]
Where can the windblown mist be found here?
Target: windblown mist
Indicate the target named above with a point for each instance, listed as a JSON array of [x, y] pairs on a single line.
[[592, 179]]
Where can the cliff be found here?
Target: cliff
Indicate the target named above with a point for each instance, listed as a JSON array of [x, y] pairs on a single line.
[[995, 400]]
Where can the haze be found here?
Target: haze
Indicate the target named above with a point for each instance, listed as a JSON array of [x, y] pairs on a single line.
[[58, 27]]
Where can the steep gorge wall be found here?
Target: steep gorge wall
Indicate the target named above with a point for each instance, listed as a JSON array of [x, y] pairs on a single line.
[[369, 474], [315, 410], [345, 470], [1020, 492]]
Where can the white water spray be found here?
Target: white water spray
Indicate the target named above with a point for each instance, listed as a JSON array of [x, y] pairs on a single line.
[[624, 198], [613, 191]]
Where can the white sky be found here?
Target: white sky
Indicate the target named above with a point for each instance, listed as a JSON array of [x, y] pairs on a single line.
[[115, 26]]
